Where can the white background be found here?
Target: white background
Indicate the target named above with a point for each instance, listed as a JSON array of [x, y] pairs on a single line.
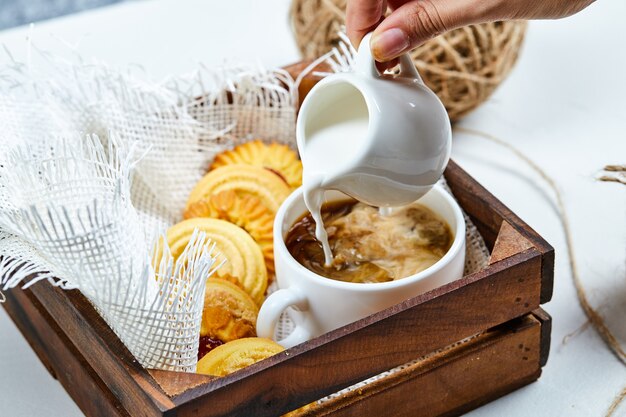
[[564, 105]]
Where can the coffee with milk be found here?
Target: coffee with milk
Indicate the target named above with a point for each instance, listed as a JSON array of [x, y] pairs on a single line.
[[368, 246]]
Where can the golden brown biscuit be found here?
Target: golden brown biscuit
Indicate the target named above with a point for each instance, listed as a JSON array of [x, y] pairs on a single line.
[[229, 312], [277, 157], [236, 355], [243, 180], [246, 212], [244, 259]]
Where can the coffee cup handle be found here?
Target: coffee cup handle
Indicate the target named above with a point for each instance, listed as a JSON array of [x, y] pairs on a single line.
[[271, 310], [366, 64]]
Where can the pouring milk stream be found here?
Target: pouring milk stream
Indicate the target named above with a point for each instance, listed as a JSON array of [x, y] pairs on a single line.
[[382, 139]]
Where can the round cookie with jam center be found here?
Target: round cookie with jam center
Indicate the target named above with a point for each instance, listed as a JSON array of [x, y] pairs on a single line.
[[229, 313]]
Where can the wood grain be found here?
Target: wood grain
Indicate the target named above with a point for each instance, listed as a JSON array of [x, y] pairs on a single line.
[[508, 243], [175, 383], [502, 359]]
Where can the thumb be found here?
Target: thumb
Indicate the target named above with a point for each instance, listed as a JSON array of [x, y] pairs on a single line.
[[417, 21]]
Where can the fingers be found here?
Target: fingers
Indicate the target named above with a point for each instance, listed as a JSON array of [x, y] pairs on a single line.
[[362, 16], [414, 22]]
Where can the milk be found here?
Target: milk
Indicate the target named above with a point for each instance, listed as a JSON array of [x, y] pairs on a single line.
[[330, 144], [386, 211], [334, 139]]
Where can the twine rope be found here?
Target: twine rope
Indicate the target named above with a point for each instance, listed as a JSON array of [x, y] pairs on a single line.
[[616, 402], [593, 316], [619, 176]]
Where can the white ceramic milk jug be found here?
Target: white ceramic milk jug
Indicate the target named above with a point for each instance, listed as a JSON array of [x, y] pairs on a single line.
[[382, 139]]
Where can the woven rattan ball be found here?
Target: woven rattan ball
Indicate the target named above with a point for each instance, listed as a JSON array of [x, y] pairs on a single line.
[[463, 66]]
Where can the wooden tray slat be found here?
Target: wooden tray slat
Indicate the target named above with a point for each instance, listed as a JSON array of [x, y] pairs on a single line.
[[546, 331], [446, 383]]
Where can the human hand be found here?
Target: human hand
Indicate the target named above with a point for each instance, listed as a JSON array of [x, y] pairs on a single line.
[[412, 22]]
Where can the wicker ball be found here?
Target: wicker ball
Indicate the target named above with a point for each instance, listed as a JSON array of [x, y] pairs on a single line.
[[463, 66]]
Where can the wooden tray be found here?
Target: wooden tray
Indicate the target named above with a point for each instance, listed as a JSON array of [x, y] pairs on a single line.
[[496, 308]]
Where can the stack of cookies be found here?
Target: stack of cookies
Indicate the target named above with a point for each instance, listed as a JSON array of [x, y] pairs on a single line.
[[235, 204]]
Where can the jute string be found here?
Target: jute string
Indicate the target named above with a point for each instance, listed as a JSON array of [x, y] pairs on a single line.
[[463, 67], [593, 316], [616, 173], [616, 402]]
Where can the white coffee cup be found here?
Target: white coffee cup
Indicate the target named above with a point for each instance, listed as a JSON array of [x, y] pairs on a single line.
[[322, 304]]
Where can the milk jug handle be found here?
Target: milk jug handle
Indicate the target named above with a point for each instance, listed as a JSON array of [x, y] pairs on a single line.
[[366, 64], [407, 68]]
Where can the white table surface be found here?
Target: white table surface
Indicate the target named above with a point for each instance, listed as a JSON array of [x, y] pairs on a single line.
[[564, 105]]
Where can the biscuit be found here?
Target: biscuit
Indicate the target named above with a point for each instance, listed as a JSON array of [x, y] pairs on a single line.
[[229, 313], [243, 180], [246, 212], [276, 157], [244, 259], [236, 355]]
